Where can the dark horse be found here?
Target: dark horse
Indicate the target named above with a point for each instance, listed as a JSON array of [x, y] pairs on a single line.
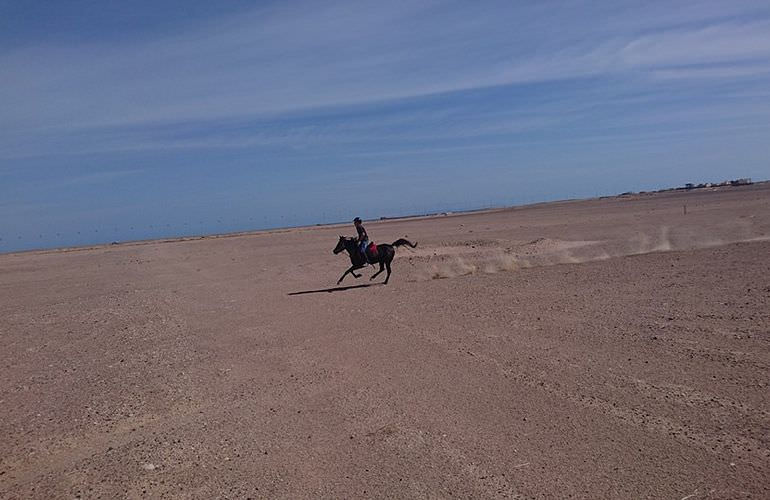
[[384, 257]]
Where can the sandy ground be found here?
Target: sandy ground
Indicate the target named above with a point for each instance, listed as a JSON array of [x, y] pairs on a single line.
[[612, 348]]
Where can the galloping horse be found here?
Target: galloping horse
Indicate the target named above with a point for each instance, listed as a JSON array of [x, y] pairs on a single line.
[[384, 257]]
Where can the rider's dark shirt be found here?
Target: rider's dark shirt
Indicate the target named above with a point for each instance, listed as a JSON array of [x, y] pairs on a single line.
[[362, 233]]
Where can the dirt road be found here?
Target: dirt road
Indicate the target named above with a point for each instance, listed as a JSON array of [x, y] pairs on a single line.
[[612, 348]]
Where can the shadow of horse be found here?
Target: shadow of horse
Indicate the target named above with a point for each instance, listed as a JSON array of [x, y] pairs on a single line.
[[335, 289]]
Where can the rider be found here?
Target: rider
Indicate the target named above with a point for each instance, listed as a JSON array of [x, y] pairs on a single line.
[[363, 238]]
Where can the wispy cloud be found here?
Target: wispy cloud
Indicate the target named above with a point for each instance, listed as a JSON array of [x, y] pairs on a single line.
[[297, 57]]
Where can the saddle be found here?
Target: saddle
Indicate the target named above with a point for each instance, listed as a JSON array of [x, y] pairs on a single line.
[[371, 253]]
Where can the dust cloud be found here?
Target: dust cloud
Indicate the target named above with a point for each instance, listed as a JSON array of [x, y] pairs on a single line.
[[548, 252]]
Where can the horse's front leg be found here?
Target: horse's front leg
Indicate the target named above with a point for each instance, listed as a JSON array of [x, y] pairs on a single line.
[[357, 266], [350, 270]]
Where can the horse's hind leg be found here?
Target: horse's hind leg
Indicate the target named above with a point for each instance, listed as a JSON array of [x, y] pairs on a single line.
[[387, 277], [382, 268]]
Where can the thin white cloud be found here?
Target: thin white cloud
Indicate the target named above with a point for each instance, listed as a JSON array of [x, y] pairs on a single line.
[[294, 57], [717, 43], [714, 72]]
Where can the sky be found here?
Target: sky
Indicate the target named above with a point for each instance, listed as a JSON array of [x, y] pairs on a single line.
[[144, 119]]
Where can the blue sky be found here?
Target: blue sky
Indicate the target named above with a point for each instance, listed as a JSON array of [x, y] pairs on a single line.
[[138, 119]]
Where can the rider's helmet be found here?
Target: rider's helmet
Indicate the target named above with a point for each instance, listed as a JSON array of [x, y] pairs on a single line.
[[357, 220]]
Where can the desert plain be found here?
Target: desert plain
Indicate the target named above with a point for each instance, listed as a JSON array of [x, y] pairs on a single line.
[[603, 348]]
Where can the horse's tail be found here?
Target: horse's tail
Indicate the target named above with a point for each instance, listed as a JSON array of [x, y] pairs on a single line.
[[402, 241]]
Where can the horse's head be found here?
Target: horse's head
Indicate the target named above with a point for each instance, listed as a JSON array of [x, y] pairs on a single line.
[[340, 246]]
